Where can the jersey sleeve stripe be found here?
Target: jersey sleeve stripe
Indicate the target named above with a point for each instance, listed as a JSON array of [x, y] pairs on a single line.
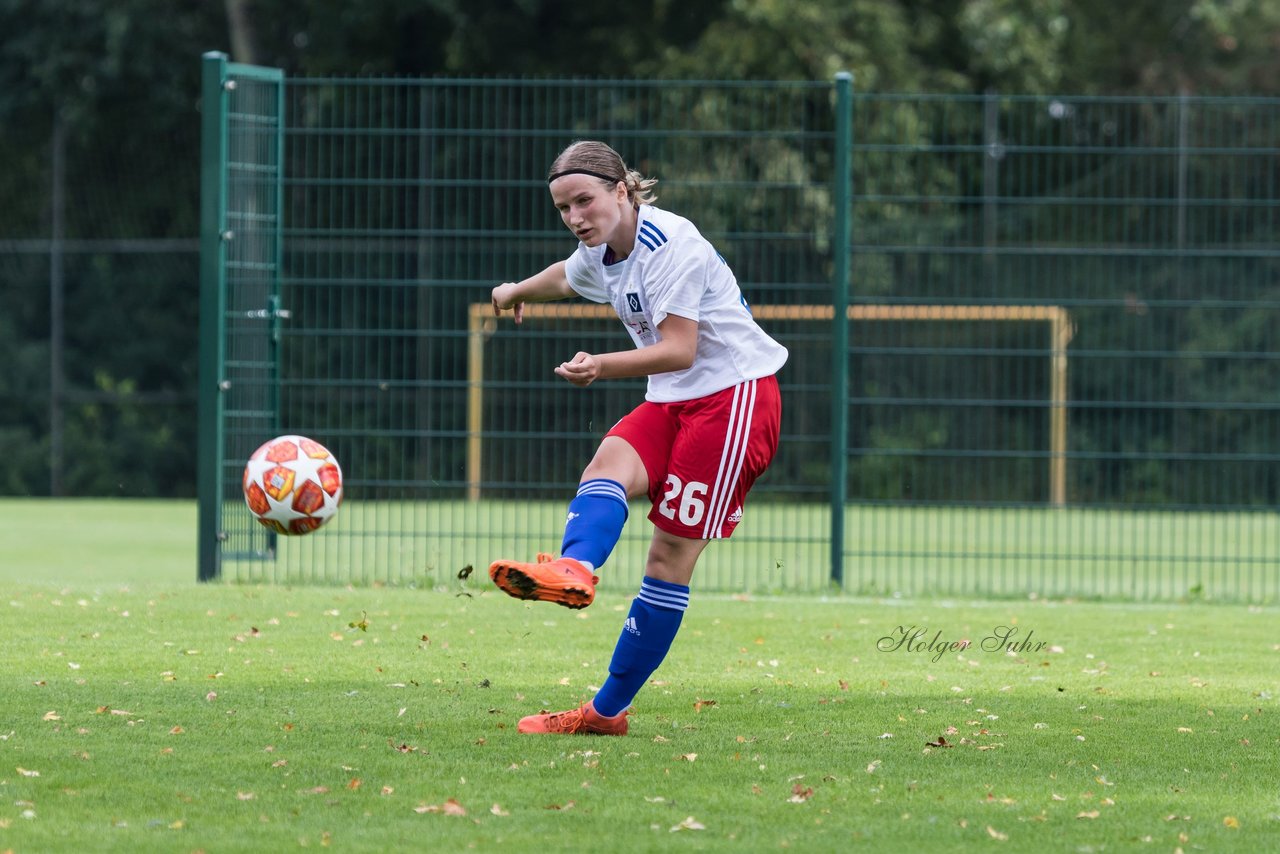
[[650, 235], [648, 225]]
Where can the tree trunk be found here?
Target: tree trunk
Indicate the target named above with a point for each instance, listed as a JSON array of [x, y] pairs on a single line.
[[239, 22]]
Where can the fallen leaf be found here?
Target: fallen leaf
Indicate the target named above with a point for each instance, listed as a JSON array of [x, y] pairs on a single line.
[[689, 823], [687, 757], [52, 716], [871, 769], [245, 796], [497, 810], [1089, 814], [941, 742], [995, 834], [386, 790], [800, 794], [27, 773], [1231, 822], [698, 706], [353, 783]]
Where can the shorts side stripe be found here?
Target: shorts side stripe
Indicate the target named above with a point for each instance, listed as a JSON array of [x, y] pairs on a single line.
[[724, 456], [735, 453], [743, 444]]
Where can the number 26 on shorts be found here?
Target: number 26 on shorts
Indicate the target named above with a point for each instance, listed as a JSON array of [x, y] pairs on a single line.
[[692, 506]]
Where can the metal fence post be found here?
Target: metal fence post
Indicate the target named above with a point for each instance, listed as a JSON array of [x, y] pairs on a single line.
[[57, 306], [840, 246], [213, 209]]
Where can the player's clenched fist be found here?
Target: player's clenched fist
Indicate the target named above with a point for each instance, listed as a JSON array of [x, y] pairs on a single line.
[[582, 370], [503, 297]]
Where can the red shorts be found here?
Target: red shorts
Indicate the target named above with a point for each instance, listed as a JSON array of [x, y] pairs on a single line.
[[703, 455]]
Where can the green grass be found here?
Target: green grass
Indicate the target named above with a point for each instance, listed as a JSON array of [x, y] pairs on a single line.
[[164, 716]]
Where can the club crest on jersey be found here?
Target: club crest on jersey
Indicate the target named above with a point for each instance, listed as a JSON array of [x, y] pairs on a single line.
[[633, 302]]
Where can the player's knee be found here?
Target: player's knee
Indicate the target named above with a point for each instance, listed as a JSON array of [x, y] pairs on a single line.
[[616, 460], [672, 558]]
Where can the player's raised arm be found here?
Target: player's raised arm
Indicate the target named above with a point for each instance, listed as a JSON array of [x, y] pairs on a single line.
[[550, 284]]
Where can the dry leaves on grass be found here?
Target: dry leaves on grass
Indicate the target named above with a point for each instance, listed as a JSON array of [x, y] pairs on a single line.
[[800, 794], [449, 807], [690, 823]]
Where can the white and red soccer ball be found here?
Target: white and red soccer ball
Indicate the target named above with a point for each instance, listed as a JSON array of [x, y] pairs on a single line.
[[293, 485]]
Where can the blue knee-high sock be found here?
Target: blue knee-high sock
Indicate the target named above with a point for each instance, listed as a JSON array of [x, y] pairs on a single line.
[[646, 636], [596, 517]]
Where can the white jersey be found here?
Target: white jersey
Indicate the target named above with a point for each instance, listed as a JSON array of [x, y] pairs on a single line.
[[672, 269]]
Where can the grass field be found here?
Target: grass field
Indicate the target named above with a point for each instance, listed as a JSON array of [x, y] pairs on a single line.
[[143, 712]]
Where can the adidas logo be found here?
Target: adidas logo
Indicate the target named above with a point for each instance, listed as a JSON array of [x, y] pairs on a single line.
[[571, 517], [630, 625], [736, 515]]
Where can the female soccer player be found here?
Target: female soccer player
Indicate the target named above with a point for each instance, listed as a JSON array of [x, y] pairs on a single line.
[[707, 429]]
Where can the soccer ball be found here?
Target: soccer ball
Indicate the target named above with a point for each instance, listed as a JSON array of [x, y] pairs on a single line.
[[293, 485]]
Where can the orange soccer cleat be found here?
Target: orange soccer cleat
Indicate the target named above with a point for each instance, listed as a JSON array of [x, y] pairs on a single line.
[[580, 721], [563, 580]]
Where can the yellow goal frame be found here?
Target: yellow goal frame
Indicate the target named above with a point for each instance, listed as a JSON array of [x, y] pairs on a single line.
[[481, 324]]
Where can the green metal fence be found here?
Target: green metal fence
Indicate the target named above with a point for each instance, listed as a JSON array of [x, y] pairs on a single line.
[[1028, 344]]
